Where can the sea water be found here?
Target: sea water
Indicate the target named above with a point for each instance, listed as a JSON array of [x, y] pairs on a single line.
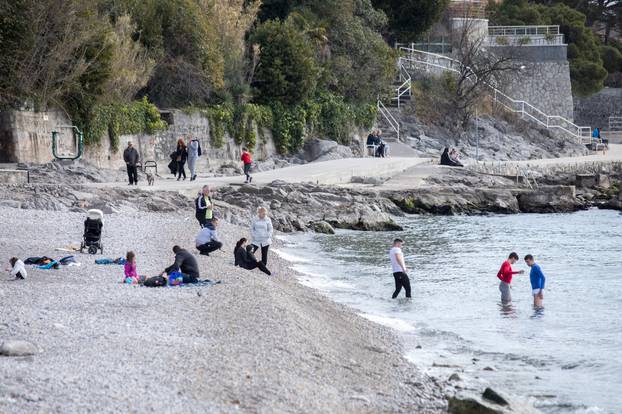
[[566, 358]]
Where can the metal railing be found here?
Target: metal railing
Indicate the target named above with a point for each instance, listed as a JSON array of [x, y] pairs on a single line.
[[404, 89], [419, 59], [388, 116], [527, 40], [467, 9], [522, 30]]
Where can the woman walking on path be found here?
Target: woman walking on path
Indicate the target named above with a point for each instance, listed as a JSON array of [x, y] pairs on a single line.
[[245, 259], [181, 154], [261, 233], [194, 151]]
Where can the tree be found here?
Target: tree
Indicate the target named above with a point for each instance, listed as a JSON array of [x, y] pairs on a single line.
[[408, 19], [287, 71], [612, 58]]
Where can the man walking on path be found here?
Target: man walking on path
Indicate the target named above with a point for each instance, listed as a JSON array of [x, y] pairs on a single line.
[[399, 268], [204, 210], [248, 162], [130, 156], [194, 152], [505, 276], [537, 279]]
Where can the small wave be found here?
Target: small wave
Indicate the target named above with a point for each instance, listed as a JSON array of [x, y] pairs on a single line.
[[290, 257], [397, 324]]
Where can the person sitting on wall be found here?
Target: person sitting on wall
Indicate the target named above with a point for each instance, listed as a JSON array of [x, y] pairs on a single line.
[[372, 143], [446, 160], [454, 156]]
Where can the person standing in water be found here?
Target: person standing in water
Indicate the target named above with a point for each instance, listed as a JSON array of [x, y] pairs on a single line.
[[537, 279], [505, 276], [399, 268]]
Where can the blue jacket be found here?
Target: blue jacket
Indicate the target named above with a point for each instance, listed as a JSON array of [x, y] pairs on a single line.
[[536, 277]]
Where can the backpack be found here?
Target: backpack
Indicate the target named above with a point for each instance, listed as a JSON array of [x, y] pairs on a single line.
[[155, 281]]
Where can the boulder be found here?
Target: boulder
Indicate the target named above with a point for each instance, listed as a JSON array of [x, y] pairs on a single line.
[[551, 199], [10, 203], [494, 396], [586, 180], [367, 180], [17, 348], [324, 150], [322, 227], [603, 181]]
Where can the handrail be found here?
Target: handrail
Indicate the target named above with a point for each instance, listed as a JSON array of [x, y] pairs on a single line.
[[382, 109], [78, 139], [523, 30], [405, 87], [513, 105]]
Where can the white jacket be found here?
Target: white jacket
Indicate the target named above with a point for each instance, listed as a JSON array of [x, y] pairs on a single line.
[[261, 232], [206, 235], [19, 268]]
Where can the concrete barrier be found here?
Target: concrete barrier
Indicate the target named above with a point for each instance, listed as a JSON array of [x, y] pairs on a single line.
[[14, 176]]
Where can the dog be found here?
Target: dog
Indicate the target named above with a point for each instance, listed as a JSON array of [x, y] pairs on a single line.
[[150, 178]]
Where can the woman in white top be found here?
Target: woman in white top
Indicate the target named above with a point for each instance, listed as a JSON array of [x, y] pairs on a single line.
[[261, 233], [17, 268], [193, 156]]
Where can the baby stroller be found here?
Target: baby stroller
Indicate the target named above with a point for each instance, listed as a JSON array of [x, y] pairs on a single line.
[[93, 231]]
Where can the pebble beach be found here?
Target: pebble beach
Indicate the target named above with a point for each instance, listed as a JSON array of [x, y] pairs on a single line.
[[252, 343]]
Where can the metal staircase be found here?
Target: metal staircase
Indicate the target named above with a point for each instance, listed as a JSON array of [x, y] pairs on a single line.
[[401, 92], [419, 60]]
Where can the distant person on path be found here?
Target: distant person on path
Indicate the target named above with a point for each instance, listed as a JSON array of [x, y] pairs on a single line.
[[372, 143], [399, 268], [181, 155], [194, 152], [185, 263], [245, 259], [454, 156], [18, 269], [131, 156], [248, 162], [261, 233], [204, 210], [505, 276], [207, 240], [537, 279], [129, 269], [446, 159]]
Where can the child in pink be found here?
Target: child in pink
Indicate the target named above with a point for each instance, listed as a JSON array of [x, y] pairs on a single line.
[[130, 277]]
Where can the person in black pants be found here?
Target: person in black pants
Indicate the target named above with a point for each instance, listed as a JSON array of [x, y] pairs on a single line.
[[185, 263], [131, 157], [207, 240], [399, 269], [245, 259], [181, 155]]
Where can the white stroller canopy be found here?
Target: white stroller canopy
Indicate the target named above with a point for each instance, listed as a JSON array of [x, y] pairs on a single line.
[[95, 214]]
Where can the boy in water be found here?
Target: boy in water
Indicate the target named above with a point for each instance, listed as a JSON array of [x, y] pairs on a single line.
[[537, 281], [505, 276], [399, 268]]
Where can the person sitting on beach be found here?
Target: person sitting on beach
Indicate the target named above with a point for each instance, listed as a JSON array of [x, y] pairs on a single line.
[[505, 276], [186, 263], [261, 233], [446, 160], [18, 269], [537, 279], [207, 240], [454, 156], [245, 258], [129, 269], [399, 268], [204, 210]]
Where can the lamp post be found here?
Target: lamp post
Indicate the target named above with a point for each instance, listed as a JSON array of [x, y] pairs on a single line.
[[476, 136]]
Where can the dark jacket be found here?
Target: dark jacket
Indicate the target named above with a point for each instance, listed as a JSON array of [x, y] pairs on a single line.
[[185, 263], [181, 152], [130, 156], [245, 259]]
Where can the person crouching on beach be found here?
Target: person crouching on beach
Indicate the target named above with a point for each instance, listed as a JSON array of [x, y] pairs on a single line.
[[129, 269], [18, 269], [261, 233], [207, 240], [537, 279], [505, 276], [245, 259], [399, 268]]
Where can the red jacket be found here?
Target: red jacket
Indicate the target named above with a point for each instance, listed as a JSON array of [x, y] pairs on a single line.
[[246, 158], [505, 273]]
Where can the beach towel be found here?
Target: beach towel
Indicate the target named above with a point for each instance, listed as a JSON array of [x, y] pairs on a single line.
[[38, 260], [53, 264], [108, 261], [66, 260]]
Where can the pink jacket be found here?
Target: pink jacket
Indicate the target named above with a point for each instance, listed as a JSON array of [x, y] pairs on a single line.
[[130, 270]]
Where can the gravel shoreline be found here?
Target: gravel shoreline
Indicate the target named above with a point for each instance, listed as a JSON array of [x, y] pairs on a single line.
[[253, 344]]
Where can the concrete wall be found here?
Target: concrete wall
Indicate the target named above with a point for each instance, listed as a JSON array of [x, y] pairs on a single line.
[[27, 137], [595, 110]]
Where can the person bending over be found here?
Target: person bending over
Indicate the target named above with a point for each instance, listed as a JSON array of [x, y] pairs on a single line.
[[505, 276], [18, 269], [399, 268], [245, 258], [207, 240], [185, 263], [537, 279]]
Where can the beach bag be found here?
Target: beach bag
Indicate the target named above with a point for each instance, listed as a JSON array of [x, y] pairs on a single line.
[[199, 151], [155, 281], [175, 278]]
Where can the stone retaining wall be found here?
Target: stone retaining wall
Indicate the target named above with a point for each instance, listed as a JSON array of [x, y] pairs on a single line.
[[595, 110]]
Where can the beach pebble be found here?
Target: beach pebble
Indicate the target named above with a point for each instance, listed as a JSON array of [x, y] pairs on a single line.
[[17, 348], [455, 377]]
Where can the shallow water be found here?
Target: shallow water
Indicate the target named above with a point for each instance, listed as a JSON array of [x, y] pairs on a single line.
[[566, 358]]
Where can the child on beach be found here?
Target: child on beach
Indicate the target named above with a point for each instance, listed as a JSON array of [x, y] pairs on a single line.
[[537, 279], [18, 269], [505, 276], [130, 275], [248, 162]]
